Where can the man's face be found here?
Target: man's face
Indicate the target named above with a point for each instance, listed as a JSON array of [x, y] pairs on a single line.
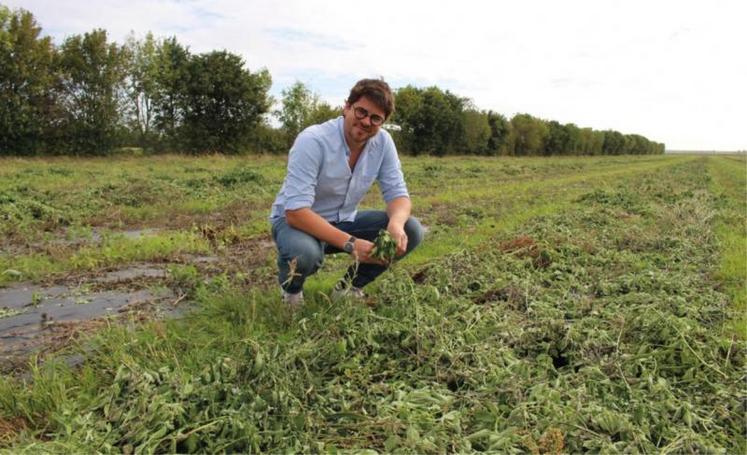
[[358, 131]]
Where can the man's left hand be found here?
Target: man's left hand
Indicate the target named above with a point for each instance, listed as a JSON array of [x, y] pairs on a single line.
[[398, 234]]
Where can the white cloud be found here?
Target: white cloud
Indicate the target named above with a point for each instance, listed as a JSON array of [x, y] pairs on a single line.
[[670, 70]]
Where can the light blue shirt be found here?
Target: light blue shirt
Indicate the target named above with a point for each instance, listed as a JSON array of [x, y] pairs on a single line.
[[319, 176]]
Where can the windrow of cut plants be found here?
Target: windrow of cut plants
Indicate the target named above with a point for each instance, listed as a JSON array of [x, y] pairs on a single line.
[[596, 329], [80, 215]]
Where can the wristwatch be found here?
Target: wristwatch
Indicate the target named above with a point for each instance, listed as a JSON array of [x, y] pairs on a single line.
[[349, 245]]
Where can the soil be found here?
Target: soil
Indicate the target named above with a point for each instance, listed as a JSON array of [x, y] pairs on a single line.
[[46, 317]]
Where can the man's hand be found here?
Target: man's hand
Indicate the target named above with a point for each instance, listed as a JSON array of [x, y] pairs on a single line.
[[362, 252], [397, 231], [398, 211]]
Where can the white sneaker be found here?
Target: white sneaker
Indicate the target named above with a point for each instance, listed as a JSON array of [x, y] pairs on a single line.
[[351, 292], [292, 300]]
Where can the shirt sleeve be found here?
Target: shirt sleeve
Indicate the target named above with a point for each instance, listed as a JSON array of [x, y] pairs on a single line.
[[304, 163], [391, 179]]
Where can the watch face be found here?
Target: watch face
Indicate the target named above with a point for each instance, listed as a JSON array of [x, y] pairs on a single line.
[[348, 247]]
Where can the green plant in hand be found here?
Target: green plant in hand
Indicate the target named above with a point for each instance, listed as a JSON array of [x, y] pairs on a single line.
[[385, 247]]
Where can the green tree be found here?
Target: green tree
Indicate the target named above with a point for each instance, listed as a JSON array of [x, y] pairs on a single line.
[[266, 139], [528, 135], [92, 83], [614, 143], [558, 139], [629, 145], [300, 109], [597, 145], [500, 130], [574, 139], [477, 132], [431, 120], [446, 109], [322, 112], [172, 76], [223, 103], [562, 139], [408, 102], [142, 82], [28, 83]]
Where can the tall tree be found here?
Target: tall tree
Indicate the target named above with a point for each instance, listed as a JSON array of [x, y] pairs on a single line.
[[450, 119], [574, 139], [223, 103], [477, 132], [408, 101], [322, 112], [598, 144], [93, 81], [28, 83], [528, 135], [614, 143], [298, 104], [500, 129], [557, 142], [431, 119], [562, 139], [142, 80], [172, 76], [586, 141]]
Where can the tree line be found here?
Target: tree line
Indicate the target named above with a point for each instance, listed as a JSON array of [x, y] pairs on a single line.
[[90, 95], [439, 122]]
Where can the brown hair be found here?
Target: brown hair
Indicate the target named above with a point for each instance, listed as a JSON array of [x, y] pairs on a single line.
[[375, 90]]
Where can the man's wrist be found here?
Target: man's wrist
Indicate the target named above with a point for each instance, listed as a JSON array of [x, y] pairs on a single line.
[[349, 245], [396, 224]]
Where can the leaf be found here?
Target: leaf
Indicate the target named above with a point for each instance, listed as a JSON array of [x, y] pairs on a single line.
[[385, 247]]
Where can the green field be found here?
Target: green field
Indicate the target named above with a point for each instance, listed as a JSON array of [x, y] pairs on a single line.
[[556, 305]]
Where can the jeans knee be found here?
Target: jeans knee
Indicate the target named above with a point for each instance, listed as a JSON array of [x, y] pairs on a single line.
[[415, 233], [306, 262]]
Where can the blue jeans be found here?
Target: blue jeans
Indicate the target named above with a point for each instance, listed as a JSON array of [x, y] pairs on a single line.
[[308, 252]]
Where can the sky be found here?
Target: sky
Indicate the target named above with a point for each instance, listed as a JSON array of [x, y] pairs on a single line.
[[673, 71]]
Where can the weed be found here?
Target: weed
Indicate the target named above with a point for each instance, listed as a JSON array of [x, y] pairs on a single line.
[[385, 247], [185, 278], [240, 176], [8, 312], [586, 326]]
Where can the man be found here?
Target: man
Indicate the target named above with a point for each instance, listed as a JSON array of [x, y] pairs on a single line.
[[331, 166]]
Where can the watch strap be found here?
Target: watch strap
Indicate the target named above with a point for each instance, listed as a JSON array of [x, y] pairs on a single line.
[[349, 245]]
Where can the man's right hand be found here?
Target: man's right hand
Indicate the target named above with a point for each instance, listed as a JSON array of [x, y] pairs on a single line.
[[362, 251], [311, 223]]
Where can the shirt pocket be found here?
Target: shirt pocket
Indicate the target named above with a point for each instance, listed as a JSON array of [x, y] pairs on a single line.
[[362, 185], [331, 187]]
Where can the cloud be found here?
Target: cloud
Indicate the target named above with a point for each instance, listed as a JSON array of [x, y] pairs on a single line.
[[670, 70], [288, 36]]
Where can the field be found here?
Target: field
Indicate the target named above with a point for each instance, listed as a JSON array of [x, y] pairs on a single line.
[[557, 305]]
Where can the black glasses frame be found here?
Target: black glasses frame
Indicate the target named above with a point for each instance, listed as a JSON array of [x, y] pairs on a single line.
[[361, 113]]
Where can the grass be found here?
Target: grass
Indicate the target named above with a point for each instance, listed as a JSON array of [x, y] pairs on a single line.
[[558, 305], [111, 251], [44, 200], [729, 182]]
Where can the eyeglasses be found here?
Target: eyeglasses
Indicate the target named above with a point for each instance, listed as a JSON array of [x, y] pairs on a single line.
[[361, 113]]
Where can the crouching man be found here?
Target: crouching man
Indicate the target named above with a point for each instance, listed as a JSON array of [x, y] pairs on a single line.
[[331, 166]]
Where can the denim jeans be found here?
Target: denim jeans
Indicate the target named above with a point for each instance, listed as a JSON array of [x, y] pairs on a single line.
[[305, 254]]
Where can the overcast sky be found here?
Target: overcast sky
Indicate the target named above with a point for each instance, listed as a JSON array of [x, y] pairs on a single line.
[[673, 71]]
